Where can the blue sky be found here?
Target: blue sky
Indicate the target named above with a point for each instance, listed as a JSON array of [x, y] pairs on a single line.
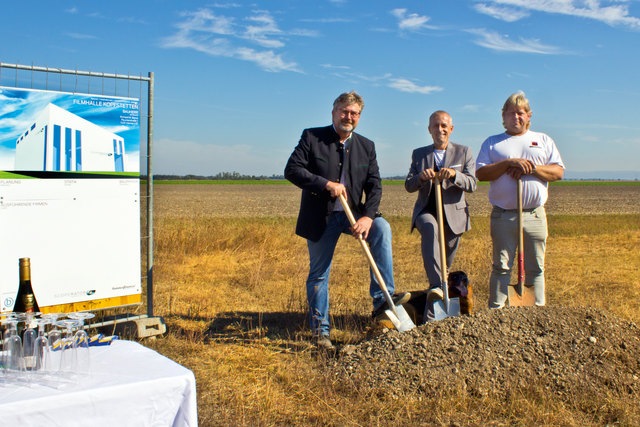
[[236, 82]]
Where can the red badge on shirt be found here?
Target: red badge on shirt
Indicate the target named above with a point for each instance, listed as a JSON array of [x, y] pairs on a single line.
[[534, 143]]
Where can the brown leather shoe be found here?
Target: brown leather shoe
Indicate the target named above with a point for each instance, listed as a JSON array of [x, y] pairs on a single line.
[[322, 342]]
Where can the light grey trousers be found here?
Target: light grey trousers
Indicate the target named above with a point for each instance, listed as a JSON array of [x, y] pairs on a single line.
[[504, 234], [427, 225]]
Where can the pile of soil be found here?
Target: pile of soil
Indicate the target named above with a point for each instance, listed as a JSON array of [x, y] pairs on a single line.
[[496, 353]]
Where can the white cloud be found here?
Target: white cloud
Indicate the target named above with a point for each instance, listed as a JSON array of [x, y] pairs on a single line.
[[507, 14], [335, 67], [495, 41], [611, 12], [265, 27], [81, 36], [226, 5], [218, 35], [470, 108], [411, 21], [405, 85]]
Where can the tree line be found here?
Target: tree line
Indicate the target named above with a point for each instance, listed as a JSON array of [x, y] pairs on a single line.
[[233, 176]]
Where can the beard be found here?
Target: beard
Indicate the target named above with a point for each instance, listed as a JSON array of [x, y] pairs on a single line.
[[346, 126]]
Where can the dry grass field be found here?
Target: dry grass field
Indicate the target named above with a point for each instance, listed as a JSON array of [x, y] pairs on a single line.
[[229, 281]]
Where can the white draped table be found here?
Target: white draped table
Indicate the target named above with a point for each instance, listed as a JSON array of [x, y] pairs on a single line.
[[129, 385]]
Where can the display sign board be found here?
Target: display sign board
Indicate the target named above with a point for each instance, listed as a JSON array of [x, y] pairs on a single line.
[[70, 196]]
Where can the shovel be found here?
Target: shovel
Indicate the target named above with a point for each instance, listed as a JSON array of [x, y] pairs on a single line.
[[447, 307], [520, 295], [396, 313]]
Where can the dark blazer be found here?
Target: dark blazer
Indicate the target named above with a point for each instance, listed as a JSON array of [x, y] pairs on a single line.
[[454, 205], [316, 160]]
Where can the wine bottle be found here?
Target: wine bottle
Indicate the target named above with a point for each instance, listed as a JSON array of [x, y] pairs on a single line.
[[25, 300]]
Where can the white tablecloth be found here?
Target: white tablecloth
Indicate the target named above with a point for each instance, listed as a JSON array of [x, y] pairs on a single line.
[[129, 385]]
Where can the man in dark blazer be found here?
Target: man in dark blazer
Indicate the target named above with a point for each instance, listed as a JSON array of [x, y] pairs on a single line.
[[329, 161], [454, 166]]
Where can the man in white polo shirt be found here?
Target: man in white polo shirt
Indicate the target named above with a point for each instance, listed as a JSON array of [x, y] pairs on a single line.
[[534, 158]]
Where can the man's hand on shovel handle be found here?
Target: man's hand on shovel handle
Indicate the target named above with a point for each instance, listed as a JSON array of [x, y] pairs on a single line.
[[362, 227], [335, 189]]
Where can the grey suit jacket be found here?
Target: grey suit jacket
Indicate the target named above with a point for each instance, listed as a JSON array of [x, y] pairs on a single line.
[[455, 207]]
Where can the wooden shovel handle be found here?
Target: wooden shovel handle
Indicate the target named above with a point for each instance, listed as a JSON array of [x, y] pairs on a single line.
[[443, 253], [365, 247], [439, 213], [520, 239]]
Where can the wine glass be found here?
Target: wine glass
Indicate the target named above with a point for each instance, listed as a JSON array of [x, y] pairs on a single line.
[[68, 358], [81, 340], [14, 361], [54, 335], [41, 350], [29, 337], [4, 336]]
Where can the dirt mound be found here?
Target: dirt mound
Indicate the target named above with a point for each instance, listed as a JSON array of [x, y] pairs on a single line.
[[565, 351]]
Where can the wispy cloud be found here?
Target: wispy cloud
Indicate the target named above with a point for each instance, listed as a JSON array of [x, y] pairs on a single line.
[[132, 20], [335, 67], [254, 38], [345, 72], [410, 21], [264, 28], [495, 41], [508, 14], [405, 85], [81, 36], [473, 108], [611, 12], [226, 5]]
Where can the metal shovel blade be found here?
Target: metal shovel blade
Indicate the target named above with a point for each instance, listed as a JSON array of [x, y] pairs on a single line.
[[525, 298], [400, 318], [440, 311]]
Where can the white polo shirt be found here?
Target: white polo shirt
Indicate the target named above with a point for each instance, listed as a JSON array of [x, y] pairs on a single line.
[[535, 146]]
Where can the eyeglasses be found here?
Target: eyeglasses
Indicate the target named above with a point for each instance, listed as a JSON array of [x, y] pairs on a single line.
[[345, 113]]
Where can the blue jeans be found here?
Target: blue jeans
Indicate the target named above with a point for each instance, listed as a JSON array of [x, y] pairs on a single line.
[[321, 255]]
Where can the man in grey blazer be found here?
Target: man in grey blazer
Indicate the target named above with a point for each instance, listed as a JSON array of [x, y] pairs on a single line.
[[454, 166]]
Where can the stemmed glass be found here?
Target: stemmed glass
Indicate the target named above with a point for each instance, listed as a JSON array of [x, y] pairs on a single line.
[[29, 337], [13, 346], [68, 358], [41, 350], [6, 333], [81, 340], [54, 336]]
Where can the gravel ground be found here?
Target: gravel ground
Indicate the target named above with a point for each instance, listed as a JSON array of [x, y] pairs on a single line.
[[284, 200], [565, 351]]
